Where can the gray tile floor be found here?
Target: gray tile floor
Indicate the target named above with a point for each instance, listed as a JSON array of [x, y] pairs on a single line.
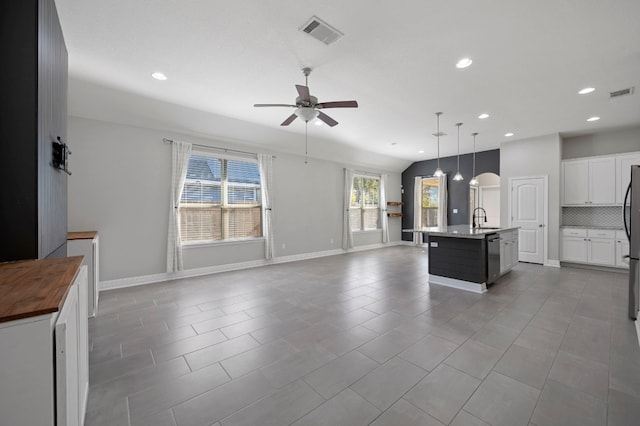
[[363, 339]]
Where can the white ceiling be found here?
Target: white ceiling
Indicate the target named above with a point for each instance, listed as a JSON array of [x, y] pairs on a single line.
[[397, 59]]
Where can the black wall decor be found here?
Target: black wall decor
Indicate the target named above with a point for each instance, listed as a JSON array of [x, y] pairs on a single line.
[[33, 113], [486, 162]]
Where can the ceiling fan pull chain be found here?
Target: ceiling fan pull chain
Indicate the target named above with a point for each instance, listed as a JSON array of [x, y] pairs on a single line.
[[306, 144]]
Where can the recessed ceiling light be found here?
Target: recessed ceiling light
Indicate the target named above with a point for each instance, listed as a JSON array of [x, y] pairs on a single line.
[[483, 116], [508, 134], [159, 76], [586, 90], [464, 62], [593, 118], [421, 151]]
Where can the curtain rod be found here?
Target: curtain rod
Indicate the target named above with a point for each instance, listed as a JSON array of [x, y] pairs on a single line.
[[362, 172], [170, 141]]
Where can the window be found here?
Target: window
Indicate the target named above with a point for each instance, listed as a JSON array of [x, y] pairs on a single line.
[[365, 204], [220, 200], [430, 201]]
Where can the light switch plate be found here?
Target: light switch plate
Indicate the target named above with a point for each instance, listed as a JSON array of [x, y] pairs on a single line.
[[455, 210], [433, 244]]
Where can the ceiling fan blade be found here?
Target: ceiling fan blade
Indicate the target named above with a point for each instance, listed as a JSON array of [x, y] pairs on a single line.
[[328, 120], [338, 104], [273, 105], [303, 91], [289, 120]]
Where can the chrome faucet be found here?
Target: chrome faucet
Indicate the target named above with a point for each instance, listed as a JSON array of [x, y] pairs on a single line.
[[474, 217]]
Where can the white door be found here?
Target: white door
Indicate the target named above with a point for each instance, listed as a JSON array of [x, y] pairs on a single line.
[[528, 212], [490, 201]]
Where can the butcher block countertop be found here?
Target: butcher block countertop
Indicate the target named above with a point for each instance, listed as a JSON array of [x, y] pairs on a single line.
[[83, 235], [35, 287]]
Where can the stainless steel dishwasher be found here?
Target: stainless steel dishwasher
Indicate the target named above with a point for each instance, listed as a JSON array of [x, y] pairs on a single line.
[[493, 257]]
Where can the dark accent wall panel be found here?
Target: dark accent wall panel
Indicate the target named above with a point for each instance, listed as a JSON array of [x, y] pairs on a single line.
[[33, 200], [18, 131], [458, 192], [52, 122]]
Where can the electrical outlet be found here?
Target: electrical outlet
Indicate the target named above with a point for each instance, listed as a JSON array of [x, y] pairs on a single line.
[[284, 245], [331, 241], [455, 210]]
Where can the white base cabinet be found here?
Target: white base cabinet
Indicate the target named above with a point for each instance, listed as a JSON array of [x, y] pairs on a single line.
[[590, 246], [87, 247], [44, 364], [622, 250], [508, 250]]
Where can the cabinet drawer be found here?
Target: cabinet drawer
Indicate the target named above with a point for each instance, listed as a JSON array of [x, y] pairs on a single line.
[[601, 233], [574, 232]]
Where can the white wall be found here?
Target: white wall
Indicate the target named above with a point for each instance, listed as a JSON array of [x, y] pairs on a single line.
[[534, 157], [602, 143], [119, 187]]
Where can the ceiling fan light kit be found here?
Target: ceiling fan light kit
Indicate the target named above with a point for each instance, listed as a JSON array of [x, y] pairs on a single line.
[[308, 107]]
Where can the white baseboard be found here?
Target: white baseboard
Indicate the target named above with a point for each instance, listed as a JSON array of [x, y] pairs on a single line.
[[552, 262], [459, 284], [196, 272]]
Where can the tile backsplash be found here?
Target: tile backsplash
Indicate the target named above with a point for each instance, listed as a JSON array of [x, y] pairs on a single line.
[[592, 216]]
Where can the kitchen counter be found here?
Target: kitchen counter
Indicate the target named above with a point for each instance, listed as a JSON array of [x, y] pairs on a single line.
[[35, 287], [464, 231]]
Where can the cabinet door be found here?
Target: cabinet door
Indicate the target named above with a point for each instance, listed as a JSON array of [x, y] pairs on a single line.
[[514, 249], [574, 249], [622, 249], [602, 181], [575, 178], [602, 251], [503, 256], [623, 174]]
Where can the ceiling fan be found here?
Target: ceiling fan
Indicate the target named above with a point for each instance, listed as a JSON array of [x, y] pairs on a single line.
[[308, 107]]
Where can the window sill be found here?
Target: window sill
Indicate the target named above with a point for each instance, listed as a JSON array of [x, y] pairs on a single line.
[[205, 244]]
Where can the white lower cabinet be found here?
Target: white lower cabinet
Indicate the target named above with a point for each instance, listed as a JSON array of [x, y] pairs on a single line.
[[591, 246], [44, 374], [622, 249], [508, 250]]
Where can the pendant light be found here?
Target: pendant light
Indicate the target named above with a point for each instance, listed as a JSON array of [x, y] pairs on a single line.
[[474, 181], [438, 171], [458, 176]]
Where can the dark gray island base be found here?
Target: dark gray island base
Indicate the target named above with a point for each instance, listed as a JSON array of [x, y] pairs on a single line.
[[459, 256]]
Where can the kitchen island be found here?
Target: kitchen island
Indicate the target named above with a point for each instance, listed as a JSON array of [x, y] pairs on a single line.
[[469, 258]]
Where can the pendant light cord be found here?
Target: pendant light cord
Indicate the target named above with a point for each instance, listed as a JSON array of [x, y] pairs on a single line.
[[438, 135], [474, 155], [459, 124]]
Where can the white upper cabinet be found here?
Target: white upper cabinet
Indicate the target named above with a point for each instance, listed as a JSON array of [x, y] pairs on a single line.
[[602, 181], [575, 176], [623, 173], [589, 182]]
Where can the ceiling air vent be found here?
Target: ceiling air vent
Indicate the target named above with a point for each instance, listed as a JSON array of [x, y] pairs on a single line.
[[322, 31], [623, 92]]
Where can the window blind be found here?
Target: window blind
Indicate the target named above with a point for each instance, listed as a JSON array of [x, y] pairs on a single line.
[[220, 200]]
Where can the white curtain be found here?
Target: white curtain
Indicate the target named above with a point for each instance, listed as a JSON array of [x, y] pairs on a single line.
[[181, 151], [347, 234], [265, 163], [417, 209], [383, 208], [442, 201]]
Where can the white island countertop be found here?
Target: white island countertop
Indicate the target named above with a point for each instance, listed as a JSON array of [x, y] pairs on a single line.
[[460, 231]]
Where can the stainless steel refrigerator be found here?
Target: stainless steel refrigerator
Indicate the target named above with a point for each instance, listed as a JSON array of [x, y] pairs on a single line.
[[631, 215]]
